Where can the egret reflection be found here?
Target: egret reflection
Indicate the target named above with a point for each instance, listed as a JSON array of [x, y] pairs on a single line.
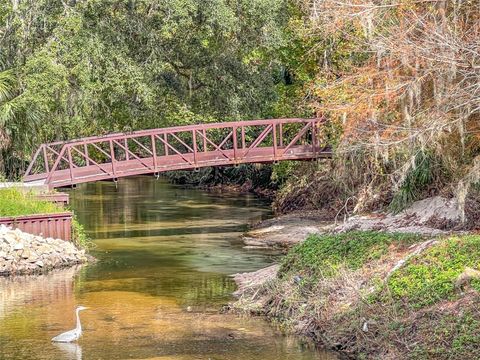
[[73, 351]]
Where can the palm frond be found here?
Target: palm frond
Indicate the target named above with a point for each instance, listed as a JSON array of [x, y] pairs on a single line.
[[8, 111], [7, 85]]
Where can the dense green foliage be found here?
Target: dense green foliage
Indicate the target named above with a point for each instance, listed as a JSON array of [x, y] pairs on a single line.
[[16, 203], [76, 68], [431, 276], [79, 236], [249, 175], [323, 255], [81, 67]]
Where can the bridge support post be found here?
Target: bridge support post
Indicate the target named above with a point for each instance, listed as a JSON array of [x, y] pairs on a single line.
[[194, 139], [125, 143], [204, 140], [45, 158], [112, 157], [154, 153], [235, 145], [166, 142], [87, 158], [70, 163], [280, 131], [274, 132]]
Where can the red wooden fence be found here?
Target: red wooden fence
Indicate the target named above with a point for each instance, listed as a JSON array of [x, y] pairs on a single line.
[[58, 226]]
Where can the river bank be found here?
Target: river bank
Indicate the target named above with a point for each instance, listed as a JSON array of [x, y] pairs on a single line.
[[39, 251], [378, 286], [24, 253], [164, 254]]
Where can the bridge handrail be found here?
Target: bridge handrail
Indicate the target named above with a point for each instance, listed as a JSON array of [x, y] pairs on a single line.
[[62, 149], [216, 125]]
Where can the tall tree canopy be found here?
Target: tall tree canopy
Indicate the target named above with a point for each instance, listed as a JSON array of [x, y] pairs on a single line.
[[88, 66]]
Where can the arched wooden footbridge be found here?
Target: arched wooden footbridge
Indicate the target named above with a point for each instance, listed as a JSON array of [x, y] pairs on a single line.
[[153, 151]]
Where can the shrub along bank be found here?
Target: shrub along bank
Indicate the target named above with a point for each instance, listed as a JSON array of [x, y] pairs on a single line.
[[16, 203], [379, 296], [255, 178]]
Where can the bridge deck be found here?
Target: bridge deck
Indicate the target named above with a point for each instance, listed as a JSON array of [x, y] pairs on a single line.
[[180, 148]]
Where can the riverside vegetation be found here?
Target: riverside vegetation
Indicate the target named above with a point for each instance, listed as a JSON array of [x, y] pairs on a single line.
[[23, 253], [397, 81], [378, 295], [402, 121], [14, 202]]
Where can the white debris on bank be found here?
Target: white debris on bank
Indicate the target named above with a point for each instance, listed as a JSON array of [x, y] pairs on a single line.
[[23, 253]]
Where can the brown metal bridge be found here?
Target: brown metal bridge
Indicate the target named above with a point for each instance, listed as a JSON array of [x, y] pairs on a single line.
[[153, 151]]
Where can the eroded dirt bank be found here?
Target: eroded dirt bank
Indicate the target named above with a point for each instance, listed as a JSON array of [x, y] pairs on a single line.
[[430, 217], [381, 286]]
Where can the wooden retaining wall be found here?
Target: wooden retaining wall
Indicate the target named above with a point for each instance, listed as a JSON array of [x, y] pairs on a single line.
[[58, 226]]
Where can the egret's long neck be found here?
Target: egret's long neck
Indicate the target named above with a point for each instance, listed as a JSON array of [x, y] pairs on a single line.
[[79, 326]]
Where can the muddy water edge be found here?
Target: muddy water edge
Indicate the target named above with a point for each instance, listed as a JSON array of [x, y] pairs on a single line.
[[165, 254]]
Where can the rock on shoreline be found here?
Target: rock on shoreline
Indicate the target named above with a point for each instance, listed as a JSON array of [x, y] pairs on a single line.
[[24, 253], [285, 231], [254, 279]]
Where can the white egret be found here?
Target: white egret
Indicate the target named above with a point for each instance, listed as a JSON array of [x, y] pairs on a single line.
[[72, 335]]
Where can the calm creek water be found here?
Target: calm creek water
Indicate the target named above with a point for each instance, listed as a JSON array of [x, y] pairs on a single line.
[[165, 254]]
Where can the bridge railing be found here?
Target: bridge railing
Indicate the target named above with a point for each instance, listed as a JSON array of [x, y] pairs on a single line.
[[182, 147]]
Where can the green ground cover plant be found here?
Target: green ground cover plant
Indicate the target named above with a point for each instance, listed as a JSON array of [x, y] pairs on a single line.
[[339, 288], [324, 254], [432, 276]]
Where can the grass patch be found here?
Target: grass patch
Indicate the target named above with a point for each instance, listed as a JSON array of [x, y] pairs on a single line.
[[430, 277], [416, 181], [16, 203], [323, 255]]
